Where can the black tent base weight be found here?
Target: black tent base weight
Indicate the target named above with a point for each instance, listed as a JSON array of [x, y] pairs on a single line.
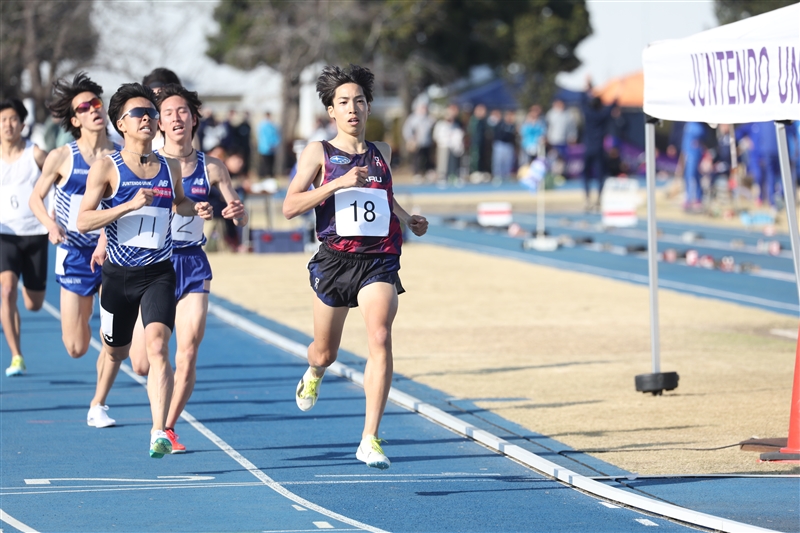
[[657, 383]]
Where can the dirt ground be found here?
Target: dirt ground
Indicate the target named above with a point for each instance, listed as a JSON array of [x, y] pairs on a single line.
[[557, 351]]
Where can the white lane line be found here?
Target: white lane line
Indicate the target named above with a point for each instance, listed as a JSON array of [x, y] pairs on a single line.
[[787, 333], [774, 274], [614, 274], [63, 489], [610, 505], [13, 522], [513, 451], [646, 522], [298, 530], [233, 454], [442, 475], [299, 508], [163, 479], [323, 525]]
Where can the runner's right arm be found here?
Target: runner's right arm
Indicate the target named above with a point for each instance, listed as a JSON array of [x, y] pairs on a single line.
[[99, 184], [299, 198], [51, 174]]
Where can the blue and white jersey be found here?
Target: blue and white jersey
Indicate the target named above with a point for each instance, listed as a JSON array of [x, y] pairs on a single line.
[[188, 231], [141, 237], [69, 194]]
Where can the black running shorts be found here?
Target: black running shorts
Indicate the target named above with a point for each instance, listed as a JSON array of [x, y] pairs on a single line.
[[337, 277], [126, 289], [26, 257]]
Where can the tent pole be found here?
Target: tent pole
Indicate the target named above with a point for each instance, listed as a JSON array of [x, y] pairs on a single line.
[[789, 194], [656, 382], [791, 452], [652, 240]]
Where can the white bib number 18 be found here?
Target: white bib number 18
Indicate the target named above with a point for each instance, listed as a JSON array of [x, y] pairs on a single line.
[[362, 212]]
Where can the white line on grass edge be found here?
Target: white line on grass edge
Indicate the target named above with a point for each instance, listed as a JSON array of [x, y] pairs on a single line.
[[225, 447], [513, 451]]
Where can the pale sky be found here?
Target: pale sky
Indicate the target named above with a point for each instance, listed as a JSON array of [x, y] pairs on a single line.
[[623, 28]]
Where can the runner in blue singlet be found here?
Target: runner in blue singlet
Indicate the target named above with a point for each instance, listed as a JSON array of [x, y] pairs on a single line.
[[179, 109], [81, 111], [139, 191]]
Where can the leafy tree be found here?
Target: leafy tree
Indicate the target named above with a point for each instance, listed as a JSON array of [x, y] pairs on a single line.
[[408, 43], [39, 39], [435, 41], [287, 36], [438, 40], [546, 36], [728, 11]]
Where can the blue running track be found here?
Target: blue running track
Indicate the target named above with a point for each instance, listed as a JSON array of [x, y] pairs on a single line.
[[256, 463]]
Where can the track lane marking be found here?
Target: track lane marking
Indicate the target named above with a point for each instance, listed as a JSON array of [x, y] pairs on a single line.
[[13, 522], [232, 453], [530, 459]]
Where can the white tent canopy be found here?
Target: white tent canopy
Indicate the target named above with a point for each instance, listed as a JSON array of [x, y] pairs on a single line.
[[748, 71]]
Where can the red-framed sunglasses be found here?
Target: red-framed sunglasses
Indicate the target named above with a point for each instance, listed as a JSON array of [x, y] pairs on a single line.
[[94, 103]]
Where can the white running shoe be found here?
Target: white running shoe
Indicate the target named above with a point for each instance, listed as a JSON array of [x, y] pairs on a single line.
[[98, 418], [159, 444], [371, 452], [307, 391]]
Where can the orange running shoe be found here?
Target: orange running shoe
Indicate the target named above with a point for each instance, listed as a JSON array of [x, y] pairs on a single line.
[[177, 447]]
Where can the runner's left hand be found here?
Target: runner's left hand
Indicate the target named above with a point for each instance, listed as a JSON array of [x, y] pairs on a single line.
[[204, 210], [418, 224], [234, 210]]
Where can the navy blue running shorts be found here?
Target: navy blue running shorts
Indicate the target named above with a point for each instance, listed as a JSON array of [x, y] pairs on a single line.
[[337, 277], [192, 270], [74, 270]]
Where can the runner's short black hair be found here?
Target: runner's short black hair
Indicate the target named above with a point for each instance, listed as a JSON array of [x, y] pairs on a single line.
[[126, 92], [160, 77], [191, 98], [333, 77], [63, 94], [17, 105]]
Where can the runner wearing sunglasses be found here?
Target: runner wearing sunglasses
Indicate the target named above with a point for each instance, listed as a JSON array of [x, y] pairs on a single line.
[[139, 191], [78, 256], [180, 116]]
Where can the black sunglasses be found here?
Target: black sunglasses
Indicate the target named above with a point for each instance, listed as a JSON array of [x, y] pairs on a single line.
[[139, 112]]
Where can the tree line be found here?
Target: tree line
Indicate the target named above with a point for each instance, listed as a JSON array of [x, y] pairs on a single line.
[[410, 44]]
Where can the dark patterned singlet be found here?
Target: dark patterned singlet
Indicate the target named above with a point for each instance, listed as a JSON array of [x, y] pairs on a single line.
[[359, 219]]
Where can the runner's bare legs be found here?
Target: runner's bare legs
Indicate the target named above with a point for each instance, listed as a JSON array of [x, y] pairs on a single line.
[[378, 304]]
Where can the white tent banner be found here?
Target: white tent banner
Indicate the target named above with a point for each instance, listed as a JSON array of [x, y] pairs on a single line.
[[748, 71]]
